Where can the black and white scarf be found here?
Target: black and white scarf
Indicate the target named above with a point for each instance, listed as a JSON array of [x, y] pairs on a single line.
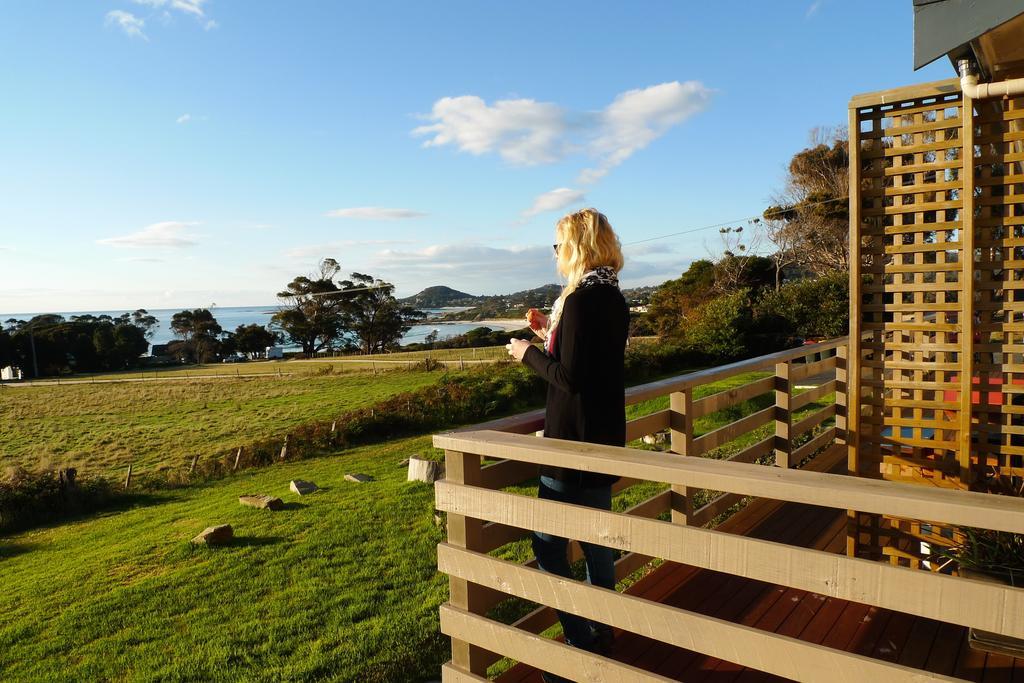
[[602, 275]]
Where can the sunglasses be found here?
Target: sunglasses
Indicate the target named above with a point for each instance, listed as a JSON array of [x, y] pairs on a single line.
[[556, 246]]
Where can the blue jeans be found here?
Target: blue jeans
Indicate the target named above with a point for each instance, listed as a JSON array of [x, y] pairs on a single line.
[[552, 552]]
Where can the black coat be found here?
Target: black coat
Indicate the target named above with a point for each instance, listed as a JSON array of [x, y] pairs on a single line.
[[584, 370]]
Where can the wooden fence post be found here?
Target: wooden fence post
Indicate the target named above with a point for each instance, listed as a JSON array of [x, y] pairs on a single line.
[[783, 415], [128, 477], [681, 429], [284, 448], [192, 467], [841, 399], [465, 532]]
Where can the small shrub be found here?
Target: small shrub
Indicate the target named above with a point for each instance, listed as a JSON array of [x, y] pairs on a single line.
[[719, 328], [814, 308], [31, 498]]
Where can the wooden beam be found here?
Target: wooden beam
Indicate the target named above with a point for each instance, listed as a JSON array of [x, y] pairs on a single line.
[[730, 397], [542, 653], [811, 395], [734, 430], [800, 371], [966, 317], [988, 606], [695, 379], [999, 513], [948, 86], [647, 424], [854, 352], [743, 645], [453, 674], [467, 532], [812, 421], [682, 443], [783, 413]]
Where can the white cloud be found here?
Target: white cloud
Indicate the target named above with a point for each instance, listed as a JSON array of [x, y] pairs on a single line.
[[638, 117], [193, 8], [525, 132], [471, 267], [127, 22], [813, 9], [375, 213], [335, 248], [184, 118], [165, 234], [142, 259], [647, 248], [554, 200]]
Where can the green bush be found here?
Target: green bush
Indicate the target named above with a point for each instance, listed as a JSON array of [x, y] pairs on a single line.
[[817, 308], [32, 498], [720, 328]]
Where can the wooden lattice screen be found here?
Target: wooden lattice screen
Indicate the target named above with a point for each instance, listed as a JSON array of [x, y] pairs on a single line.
[[937, 247]]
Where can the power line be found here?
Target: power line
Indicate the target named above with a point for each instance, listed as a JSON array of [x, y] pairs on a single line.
[[722, 225]]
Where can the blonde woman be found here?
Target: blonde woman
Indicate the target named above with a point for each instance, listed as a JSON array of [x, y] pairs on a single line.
[[582, 361]]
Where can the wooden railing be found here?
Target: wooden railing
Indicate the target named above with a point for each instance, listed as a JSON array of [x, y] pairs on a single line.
[[783, 415]]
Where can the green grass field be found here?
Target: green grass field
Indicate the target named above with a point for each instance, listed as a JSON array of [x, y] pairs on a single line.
[[378, 362], [103, 427], [342, 585]]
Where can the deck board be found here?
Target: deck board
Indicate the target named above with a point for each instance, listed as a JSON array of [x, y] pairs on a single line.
[[882, 634]]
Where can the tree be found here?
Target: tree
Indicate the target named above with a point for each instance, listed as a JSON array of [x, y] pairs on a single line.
[[431, 338], [672, 302], [815, 209], [373, 315], [7, 355], [144, 321], [254, 338], [311, 314], [198, 332]]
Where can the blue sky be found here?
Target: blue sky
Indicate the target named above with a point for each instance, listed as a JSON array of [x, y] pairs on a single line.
[[173, 153]]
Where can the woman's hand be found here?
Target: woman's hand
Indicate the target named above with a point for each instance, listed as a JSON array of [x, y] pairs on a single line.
[[538, 322], [517, 348]]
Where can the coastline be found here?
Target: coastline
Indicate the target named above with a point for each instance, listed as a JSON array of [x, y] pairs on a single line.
[[505, 324]]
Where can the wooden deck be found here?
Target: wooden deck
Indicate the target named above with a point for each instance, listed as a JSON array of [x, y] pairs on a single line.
[[881, 634]]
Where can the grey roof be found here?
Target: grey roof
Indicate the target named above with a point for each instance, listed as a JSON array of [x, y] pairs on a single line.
[[947, 26]]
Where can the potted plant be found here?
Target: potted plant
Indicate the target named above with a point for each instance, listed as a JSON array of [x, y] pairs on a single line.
[[995, 556]]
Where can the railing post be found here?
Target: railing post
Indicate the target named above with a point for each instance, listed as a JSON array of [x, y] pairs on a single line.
[[841, 353], [783, 415], [681, 426], [465, 532]]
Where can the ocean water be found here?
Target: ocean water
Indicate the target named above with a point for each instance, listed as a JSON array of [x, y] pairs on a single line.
[[230, 317]]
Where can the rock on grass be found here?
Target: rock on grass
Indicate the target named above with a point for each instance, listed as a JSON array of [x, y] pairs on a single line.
[[303, 487], [262, 501], [215, 535]]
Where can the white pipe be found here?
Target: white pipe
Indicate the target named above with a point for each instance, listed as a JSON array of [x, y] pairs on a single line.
[[979, 91]]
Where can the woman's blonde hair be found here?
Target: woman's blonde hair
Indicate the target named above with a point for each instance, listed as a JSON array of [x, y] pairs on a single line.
[[585, 241]]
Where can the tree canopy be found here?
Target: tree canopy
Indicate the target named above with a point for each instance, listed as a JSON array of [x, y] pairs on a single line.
[[809, 222]]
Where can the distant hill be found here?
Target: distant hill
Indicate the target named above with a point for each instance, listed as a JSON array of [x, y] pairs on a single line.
[[439, 297], [512, 305]]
